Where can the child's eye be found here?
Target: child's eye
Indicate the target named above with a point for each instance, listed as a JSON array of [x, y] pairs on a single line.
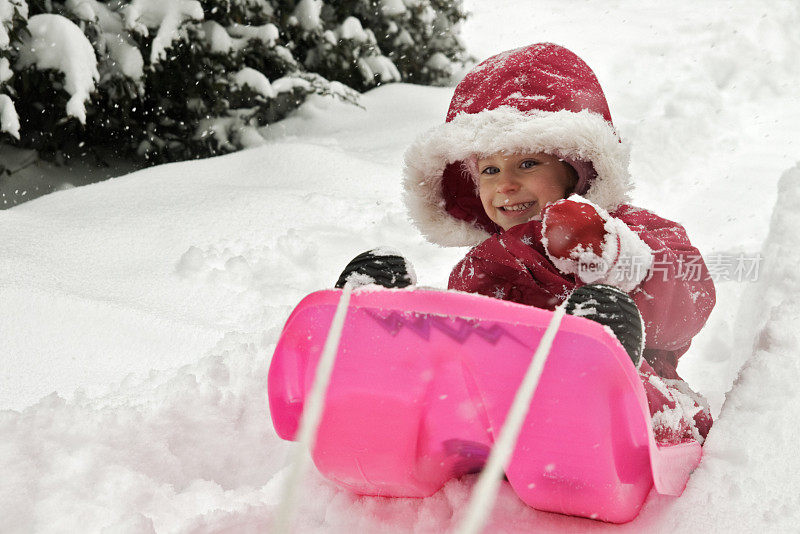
[[528, 163], [490, 170]]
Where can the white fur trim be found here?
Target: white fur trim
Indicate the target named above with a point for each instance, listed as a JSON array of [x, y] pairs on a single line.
[[634, 260], [585, 136]]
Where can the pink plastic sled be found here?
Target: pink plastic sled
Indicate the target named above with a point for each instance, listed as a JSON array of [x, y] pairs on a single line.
[[422, 384]]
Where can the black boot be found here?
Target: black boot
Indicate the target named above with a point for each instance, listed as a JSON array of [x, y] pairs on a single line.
[[614, 308], [377, 267]]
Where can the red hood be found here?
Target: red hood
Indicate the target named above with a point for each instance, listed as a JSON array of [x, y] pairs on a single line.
[[540, 98]]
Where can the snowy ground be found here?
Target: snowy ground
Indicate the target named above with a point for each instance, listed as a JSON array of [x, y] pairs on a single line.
[[138, 315]]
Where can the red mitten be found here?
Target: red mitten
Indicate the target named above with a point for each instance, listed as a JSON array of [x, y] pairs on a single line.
[[583, 239], [572, 226]]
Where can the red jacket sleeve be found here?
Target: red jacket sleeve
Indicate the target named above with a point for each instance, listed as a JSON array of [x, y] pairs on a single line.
[[677, 295]]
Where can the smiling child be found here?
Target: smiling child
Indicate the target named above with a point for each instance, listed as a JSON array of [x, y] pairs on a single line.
[[529, 170]]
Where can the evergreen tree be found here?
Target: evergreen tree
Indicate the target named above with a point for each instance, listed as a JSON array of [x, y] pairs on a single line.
[[13, 18], [169, 80]]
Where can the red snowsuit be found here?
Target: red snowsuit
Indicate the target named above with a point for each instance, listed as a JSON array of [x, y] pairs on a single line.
[[544, 98], [674, 301]]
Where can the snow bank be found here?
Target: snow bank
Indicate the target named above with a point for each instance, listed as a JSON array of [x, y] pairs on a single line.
[[749, 470], [124, 459]]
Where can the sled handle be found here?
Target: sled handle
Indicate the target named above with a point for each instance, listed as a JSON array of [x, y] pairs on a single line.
[[311, 416], [485, 492]]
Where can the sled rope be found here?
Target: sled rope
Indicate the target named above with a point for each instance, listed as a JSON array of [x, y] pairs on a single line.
[[311, 416], [485, 492]]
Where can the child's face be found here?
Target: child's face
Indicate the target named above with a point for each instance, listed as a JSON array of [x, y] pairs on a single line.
[[515, 187]]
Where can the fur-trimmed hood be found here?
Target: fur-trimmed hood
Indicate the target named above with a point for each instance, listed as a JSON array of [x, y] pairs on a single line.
[[540, 98]]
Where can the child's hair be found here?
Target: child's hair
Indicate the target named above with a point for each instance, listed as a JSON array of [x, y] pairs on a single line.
[[580, 173]]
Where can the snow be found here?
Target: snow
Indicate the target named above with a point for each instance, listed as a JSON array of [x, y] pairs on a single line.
[[83, 9], [217, 37], [267, 33], [138, 315], [307, 14], [351, 29], [165, 17], [439, 61], [9, 120], [91, 10], [404, 39], [7, 8], [380, 66], [255, 80], [127, 57], [289, 83], [226, 130], [392, 7], [55, 42], [5, 70]]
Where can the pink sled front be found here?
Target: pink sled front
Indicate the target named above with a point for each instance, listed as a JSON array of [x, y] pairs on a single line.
[[422, 384]]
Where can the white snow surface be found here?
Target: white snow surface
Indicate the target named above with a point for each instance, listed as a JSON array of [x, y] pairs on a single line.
[[138, 315]]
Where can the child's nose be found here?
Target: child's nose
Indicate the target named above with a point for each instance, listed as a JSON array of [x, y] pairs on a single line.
[[506, 182]]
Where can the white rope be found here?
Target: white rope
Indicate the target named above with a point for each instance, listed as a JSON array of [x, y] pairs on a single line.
[[485, 492], [310, 418]]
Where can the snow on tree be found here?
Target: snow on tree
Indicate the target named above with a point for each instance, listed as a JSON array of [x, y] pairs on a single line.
[[13, 17], [9, 121], [54, 42], [167, 18], [169, 80]]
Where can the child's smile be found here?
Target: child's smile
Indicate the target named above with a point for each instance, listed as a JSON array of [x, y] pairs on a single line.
[[514, 188], [522, 210]]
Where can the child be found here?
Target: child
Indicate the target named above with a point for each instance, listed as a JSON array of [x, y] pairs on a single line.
[[529, 169]]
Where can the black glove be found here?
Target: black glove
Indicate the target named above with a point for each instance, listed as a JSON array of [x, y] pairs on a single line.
[[613, 308], [374, 267]]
